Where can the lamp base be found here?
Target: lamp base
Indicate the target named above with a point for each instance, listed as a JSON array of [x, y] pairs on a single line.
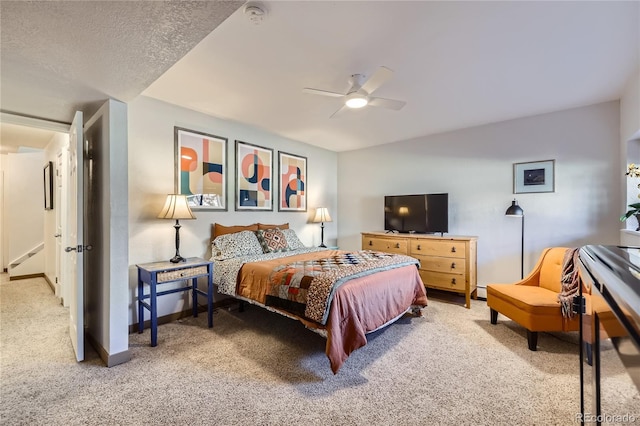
[[177, 259], [322, 245]]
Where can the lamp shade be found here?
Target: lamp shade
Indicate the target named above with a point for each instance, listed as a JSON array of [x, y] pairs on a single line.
[[514, 210], [176, 207], [322, 215]]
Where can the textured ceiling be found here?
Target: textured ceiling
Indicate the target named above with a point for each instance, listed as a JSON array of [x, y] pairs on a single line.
[[61, 56], [456, 64]]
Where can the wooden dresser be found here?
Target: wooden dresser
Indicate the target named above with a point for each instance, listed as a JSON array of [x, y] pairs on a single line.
[[446, 263]]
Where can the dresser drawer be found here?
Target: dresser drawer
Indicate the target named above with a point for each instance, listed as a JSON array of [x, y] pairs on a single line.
[[179, 274], [443, 280], [438, 248], [442, 264], [389, 245]]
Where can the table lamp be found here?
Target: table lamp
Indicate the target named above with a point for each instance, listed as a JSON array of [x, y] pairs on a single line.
[[176, 207]]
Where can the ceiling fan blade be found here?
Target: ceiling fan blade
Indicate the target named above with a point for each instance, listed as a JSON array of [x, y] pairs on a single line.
[[377, 79], [322, 92], [339, 111], [387, 103]]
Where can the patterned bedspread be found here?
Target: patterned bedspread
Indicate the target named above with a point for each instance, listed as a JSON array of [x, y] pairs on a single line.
[[306, 288], [225, 273]]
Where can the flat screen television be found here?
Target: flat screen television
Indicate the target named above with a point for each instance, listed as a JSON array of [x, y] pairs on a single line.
[[420, 213]]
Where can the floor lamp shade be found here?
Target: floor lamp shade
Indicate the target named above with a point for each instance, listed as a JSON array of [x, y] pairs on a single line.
[[322, 216], [515, 210], [176, 207]]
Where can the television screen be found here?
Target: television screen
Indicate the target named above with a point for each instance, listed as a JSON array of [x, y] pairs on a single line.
[[420, 213]]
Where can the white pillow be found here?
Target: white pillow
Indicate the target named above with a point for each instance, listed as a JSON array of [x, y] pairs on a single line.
[[243, 243], [293, 241]]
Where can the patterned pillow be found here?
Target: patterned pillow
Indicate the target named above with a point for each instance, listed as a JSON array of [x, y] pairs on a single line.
[[272, 240], [242, 243], [293, 241]]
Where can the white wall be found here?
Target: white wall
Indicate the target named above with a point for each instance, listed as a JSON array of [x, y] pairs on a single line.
[[475, 166], [24, 203], [151, 177]]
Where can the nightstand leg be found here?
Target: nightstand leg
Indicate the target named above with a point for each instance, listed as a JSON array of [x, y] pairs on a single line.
[[140, 307], [210, 296], [194, 297], [154, 315]]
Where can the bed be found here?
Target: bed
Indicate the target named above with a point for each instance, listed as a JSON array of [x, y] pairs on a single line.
[[339, 294]]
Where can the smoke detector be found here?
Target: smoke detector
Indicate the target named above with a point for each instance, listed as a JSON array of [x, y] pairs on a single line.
[[255, 13]]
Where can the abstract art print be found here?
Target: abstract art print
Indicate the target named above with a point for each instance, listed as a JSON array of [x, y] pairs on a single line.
[[292, 172], [254, 177], [201, 169], [534, 176]]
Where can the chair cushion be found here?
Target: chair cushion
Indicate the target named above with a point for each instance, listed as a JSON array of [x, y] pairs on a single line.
[[551, 269], [530, 299]]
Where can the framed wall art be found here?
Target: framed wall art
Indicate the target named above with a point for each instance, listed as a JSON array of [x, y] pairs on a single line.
[[48, 186], [292, 174], [254, 177], [534, 176], [201, 169]]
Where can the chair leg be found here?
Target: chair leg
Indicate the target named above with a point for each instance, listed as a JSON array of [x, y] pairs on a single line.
[[532, 337], [494, 316]]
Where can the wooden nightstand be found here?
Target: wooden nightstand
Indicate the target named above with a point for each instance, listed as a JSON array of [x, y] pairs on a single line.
[[156, 273]]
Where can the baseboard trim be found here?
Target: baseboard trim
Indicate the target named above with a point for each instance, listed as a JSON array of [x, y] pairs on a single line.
[[26, 277], [109, 359], [53, 288]]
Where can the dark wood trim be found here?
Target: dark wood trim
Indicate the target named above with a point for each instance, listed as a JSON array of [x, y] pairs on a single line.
[[53, 288], [25, 277]]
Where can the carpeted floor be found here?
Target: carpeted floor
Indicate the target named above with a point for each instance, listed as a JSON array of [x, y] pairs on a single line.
[[449, 367]]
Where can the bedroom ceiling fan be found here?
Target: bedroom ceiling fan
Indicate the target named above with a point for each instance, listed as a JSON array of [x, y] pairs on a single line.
[[359, 95]]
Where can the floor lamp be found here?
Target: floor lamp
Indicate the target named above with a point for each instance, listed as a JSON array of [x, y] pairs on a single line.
[[515, 210], [176, 207]]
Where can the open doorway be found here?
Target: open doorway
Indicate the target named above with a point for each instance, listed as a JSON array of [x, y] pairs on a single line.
[[29, 230]]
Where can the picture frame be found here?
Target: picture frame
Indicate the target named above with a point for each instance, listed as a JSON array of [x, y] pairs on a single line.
[[534, 176], [292, 182], [201, 169], [48, 185], [254, 177]]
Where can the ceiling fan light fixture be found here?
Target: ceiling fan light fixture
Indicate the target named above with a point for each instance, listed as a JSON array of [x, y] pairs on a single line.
[[356, 100]]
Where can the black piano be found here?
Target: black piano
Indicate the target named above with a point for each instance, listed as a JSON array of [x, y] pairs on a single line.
[[610, 335]]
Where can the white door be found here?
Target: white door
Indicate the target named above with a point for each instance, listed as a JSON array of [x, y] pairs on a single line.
[[74, 250], [58, 235]]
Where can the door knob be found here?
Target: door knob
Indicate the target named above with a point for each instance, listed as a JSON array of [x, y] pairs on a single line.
[[79, 248]]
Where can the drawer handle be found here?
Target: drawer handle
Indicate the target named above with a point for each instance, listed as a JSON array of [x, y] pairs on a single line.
[[453, 281], [397, 245], [419, 247], [453, 265], [453, 249], [370, 242]]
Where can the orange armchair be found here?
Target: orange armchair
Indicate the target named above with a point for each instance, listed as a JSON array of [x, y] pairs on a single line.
[[533, 302]]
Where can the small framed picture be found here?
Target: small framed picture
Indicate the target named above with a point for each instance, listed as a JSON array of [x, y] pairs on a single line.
[[201, 169], [292, 172], [534, 176], [48, 186], [254, 177]]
